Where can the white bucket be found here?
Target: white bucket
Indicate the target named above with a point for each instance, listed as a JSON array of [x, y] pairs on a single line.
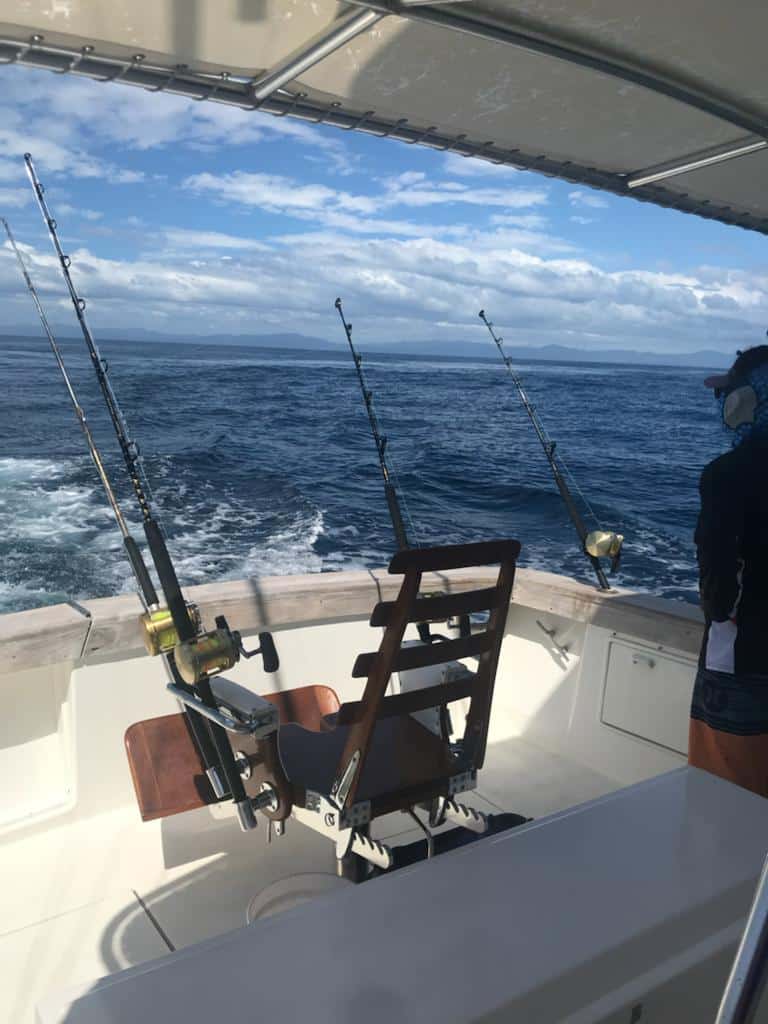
[[292, 892]]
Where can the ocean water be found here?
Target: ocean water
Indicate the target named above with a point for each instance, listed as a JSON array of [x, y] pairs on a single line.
[[261, 462]]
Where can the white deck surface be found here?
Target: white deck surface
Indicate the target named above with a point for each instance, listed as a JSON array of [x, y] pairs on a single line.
[[546, 920], [72, 914], [89, 889]]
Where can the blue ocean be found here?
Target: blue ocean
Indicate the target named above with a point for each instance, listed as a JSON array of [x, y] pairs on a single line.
[[261, 462]]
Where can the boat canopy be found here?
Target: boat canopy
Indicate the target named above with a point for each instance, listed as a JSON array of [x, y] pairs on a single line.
[[667, 102]]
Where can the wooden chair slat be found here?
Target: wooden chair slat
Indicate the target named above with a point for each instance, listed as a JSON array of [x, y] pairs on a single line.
[[421, 655], [455, 556], [440, 607], [407, 703]]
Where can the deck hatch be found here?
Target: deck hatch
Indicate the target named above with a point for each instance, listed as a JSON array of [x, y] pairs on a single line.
[[647, 693]]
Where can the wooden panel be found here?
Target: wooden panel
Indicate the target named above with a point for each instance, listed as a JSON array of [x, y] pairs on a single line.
[[420, 656], [168, 775], [455, 556], [42, 636], [166, 769], [413, 700], [286, 602], [479, 714], [307, 706], [441, 607]]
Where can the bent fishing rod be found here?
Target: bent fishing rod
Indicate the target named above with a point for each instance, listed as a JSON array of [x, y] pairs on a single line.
[[147, 591], [390, 490], [379, 439], [193, 656], [155, 622], [596, 543]]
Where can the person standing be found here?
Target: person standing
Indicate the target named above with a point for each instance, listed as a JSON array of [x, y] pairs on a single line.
[[729, 712]]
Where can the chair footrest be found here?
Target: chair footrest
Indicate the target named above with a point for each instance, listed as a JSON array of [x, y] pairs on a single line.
[[452, 839]]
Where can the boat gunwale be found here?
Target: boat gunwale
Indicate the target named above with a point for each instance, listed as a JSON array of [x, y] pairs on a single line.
[[105, 629]]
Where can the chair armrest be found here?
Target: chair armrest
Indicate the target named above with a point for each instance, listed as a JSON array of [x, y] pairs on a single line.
[[238, 710]]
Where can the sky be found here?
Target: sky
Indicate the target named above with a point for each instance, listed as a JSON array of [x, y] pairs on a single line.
[[195, 219]]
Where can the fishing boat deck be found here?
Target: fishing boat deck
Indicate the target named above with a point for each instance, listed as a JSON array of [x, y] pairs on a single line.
[[113, 892], [92, 890]]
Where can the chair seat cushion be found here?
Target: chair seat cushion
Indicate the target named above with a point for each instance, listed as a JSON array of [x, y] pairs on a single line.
[[403, 758], [166, 769]]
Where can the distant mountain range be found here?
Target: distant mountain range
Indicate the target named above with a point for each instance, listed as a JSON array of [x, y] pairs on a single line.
[[433, 349]]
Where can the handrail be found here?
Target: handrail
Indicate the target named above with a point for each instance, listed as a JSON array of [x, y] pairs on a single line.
[[104, 628], [746, 982]]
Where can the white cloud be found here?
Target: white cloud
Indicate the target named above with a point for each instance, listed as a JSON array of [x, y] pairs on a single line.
[[14, 197], [184, 238], [473, 167], [577, 218], [591, 199], [355, 212], [276, 193], [51, 156], [9, 170], [404, 191], [417, 284], [61, 118], [67, 209], [489, 244]]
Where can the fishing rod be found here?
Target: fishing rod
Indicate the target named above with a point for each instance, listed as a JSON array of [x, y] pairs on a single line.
[[379, 439], [147, 591], [156, 619], [596, 543], [193, 656], [390, 490]]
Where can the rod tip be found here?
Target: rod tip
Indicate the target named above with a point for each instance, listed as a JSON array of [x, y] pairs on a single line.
[[337, 303], [481, 314]]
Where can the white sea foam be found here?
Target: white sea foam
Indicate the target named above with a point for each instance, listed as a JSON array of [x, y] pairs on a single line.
[[18, 595], [13, 470], [288, 550], [39, 503]]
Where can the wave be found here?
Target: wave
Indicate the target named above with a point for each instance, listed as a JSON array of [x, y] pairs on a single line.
[[277, 474], [20, 470], [14, 596]]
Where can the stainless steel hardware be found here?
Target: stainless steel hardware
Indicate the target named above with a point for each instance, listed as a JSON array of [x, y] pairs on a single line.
[[643, 659], [552, 633], [238, 711]]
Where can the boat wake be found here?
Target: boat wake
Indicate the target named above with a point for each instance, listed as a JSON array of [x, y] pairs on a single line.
[[59, 541], [265, 485]]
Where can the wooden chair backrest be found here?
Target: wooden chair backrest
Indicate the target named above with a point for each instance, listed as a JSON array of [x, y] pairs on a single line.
[[378, 666]]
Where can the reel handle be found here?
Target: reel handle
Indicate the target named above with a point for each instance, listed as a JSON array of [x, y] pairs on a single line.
[[268, 652], [266, 649]]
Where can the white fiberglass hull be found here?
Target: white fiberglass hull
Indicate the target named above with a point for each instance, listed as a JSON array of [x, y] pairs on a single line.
[[597, 705]]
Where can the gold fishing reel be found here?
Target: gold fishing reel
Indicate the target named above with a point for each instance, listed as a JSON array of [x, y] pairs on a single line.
[[219, 650], [158, 631], [604, 544], [207, 654]]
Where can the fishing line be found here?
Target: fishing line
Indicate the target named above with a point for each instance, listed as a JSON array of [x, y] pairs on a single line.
[[155, 620], [391, 484], [146, 588], [175, 632], [597, 543], [390, 476], [128, 447]]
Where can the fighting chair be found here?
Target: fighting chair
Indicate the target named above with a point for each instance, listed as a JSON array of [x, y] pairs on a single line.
[[336, 767]]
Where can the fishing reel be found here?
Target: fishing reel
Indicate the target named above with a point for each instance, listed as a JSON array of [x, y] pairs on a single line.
[[604, 544], [219, 650], [158, 631], [206, 654]]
